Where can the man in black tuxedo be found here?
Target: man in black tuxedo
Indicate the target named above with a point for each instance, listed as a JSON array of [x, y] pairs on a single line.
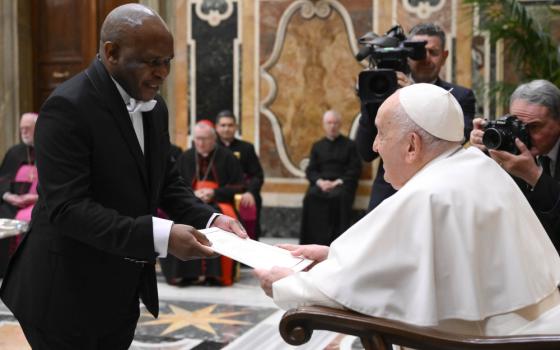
[[102, 146], [226, 127], [536, 169], [421, 71]]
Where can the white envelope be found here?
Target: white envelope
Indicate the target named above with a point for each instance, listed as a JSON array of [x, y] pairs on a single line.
[[253, 253]]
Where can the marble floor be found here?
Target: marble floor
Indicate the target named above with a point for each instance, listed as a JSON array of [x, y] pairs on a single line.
[[239, 317]]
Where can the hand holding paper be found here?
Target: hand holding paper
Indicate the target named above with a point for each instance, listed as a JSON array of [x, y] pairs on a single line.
[[253, 253]]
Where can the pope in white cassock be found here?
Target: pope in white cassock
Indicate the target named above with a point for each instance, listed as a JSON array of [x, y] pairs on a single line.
[[457, 248]]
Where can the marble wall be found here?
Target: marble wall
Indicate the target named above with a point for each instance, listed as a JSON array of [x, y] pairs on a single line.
[[279, 64]]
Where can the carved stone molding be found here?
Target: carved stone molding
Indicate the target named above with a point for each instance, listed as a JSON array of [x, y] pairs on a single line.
[[308, 10], [423, 8], [213, 11]]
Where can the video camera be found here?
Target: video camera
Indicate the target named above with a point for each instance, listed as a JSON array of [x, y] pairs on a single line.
[[500, 134], [387, 54]]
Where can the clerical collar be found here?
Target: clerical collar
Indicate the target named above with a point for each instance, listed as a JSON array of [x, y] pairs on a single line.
[[333, 139]]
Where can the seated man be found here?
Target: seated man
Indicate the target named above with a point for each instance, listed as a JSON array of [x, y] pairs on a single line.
[[333, 172], [457, 248], [251, 201], [18, 184], [215, 176]]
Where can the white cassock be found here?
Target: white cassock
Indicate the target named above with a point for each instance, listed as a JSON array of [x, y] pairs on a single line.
[[457, 248]]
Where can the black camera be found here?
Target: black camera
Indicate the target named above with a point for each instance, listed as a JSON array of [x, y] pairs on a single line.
[[387, 54], [500, 134]]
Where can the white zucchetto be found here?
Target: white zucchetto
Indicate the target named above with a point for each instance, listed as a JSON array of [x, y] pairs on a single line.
[[434, 109]]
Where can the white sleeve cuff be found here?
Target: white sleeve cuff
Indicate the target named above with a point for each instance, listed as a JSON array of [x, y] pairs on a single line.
[[211, 220], [162, 230], [298, 289]]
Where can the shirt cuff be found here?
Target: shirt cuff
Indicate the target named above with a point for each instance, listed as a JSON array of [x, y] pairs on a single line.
[[162, 230], [212, 218]]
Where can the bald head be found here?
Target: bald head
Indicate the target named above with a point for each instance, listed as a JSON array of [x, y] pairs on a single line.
[[136, 48], [332, 121], [124, 20]]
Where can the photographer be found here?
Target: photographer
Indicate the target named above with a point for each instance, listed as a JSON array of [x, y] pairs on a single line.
[[421, 71], [535, 169]]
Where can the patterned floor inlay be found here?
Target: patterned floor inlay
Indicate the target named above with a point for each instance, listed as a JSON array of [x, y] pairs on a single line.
[[206, 326]]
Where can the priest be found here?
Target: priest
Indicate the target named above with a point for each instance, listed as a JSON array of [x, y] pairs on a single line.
[[18, 184], [457, 248], [250, 202], [333, 172], [215, 175]]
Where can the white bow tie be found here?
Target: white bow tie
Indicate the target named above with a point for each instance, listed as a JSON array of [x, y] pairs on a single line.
[[140, 106]]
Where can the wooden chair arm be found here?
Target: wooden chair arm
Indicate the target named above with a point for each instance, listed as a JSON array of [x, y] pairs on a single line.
[[297, 326]]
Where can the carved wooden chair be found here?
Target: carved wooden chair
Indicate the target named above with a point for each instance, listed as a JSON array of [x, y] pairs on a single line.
[[297, 326]]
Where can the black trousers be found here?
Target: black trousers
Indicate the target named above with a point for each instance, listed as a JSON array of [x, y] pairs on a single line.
[[118, 338]]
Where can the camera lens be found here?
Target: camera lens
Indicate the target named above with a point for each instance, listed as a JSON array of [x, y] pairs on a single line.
[[492, 138], [380, 85]]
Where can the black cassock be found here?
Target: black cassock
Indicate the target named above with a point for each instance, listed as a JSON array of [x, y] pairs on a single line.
[[16, 156], [223, 168], [327, 214], [253, 175]]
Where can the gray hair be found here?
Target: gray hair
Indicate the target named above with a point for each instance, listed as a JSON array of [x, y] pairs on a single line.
[[407, 125], [541, 92], [429, 29]]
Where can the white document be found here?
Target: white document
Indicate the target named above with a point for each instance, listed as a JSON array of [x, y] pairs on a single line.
[[253, 253]]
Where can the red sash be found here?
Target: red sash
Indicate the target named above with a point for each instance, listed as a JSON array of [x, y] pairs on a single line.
[[228, 266]]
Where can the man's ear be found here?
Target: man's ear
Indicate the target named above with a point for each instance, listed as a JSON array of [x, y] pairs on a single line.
[[445, 53], [414, 147], [111, 51]]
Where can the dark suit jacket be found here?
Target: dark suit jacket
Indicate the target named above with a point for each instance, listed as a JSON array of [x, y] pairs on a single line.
[[367, 132], [545, 201], [74, 271]]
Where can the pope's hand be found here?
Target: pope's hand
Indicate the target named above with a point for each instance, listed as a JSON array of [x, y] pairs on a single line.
[[268, 277], [313, 252], [185, 242], [229, 224]]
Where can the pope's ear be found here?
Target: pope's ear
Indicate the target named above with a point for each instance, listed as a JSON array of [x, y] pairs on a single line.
[[414, 147], [111, 51]]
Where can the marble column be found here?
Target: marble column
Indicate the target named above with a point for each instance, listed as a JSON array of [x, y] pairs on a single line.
[[9, 69]]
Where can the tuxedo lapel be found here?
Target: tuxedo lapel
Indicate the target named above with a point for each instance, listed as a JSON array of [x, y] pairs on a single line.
[[110, 96]]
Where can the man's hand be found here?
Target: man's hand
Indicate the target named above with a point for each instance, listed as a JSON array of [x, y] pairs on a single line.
[[247, 200], [268, 277], [402, 79], [327, 185], [185, 242], [229, 224], [522, 165], [15, 200], [313, 252], [477, 133], [205, 194], [29, 199]]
